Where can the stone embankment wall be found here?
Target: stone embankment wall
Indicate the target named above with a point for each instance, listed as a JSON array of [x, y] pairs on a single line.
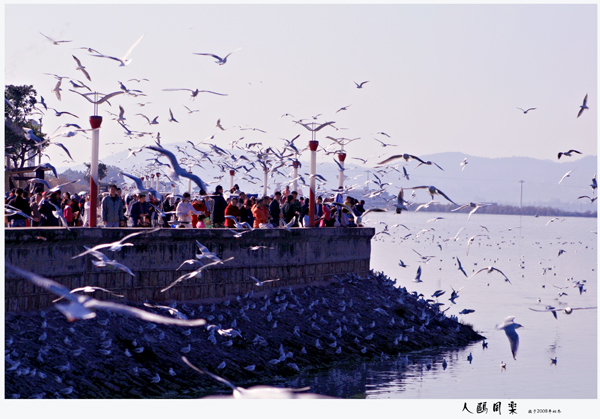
[[302, 256]]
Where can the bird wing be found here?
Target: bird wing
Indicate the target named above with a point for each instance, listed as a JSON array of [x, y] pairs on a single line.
[[210, 55], [211, 375], [445, 196], [389, 159], [141, 314], [513, 338], [585, 100], [48, 284], [137, 180]]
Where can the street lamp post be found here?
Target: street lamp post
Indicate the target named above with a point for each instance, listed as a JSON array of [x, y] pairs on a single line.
[[95, 122], [231, 173], [296, 165], [266, 178], [312, 144], [342, 158]]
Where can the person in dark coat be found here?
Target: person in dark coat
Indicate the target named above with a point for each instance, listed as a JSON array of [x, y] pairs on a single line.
[[48, 219], [217, 216], [275, 209]]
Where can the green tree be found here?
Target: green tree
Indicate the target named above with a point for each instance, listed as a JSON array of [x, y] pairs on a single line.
[[102, 171], [19, 113]]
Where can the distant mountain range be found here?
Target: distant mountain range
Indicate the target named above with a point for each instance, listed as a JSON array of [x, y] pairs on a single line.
[[496, 180]]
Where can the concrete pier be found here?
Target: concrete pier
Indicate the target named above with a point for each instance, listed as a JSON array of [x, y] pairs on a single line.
[[302, 256]]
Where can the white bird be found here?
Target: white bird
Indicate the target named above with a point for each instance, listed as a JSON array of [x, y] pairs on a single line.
[[509, 327], [491, 269], [155, 379], [125, 60], [583, 106], [474, 205], [55, 42], [418, 277], [261, 283], [81, 68], [89, 289], [195, 93], [568, 174], [115, 246], [257, 392], [471, 239], [434, 191], [220, 60], [194, 273], [464, 163], [566, 310], [81, 306]]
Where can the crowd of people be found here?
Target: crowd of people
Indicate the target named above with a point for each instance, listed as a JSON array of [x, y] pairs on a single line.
[[181, 211]]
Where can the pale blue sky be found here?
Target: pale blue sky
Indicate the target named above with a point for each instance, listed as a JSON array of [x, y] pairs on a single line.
[[441, 77]]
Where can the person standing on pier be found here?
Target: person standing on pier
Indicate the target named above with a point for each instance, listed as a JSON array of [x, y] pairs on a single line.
[[112, 208], [233, 210], [184, 211], [217, 216], [275, 209]]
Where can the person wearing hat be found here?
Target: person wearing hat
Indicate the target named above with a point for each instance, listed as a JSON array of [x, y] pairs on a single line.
[[112, 208]]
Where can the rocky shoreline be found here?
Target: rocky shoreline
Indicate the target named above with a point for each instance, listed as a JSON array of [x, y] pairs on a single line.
[[114, 356]]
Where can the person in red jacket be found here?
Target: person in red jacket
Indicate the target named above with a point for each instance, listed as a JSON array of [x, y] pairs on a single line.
[[232, 209], [68, 211], [261, 214]]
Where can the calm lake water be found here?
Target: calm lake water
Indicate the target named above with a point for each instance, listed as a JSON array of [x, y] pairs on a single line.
[[526, 250]]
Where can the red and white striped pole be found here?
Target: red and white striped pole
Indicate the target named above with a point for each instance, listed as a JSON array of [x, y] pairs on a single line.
[[312, 144], [342, 157], [266, 180], [231, 173], [95, 122]]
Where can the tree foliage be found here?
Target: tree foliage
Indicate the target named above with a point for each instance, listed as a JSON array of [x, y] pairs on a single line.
[[19, 113], [102, 171]]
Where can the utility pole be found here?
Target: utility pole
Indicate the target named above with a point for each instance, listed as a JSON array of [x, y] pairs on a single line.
[[521, 204]]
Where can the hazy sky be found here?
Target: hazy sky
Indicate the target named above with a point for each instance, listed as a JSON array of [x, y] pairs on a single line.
[[441, 77]]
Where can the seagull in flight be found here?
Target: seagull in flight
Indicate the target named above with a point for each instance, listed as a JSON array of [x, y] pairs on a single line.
[[81, 68], [261, 283], [568, 174], [384, 144], [404, 156], [583, 106], [433, 191], [177, 168], [490, 269], [471, 239], [429, 163], [526, 110], [125, 60], [474, 205], [418, 277], [220, 60], [566, 310], [360, 85], [80, 307], [260, 391], [568, 153], [400, 203], [460, 268], [464, 163], [195, 92], [99, 101], [115, 246], [509, 327], [140, 185], [60, 42]]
